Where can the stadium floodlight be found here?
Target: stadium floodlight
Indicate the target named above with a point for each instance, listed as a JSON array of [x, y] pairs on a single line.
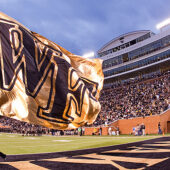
[[89, 55], [163, 23]]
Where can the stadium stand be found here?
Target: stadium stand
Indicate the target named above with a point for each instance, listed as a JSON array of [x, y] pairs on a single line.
[[135, 99], [15, 126]]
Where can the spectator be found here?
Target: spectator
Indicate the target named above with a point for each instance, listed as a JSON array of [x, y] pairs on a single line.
[[110, 131], [143, 129], [159, 128], [83, 131], [117, 130], [100, 131], [80, 131]]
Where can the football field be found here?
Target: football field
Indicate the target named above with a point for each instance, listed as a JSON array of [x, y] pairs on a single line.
[[73, 152], [12, 144]]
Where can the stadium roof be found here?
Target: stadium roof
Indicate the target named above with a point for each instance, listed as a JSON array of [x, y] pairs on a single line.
[[123, 35]]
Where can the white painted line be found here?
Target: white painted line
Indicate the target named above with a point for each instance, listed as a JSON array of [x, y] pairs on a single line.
[[62, 140]]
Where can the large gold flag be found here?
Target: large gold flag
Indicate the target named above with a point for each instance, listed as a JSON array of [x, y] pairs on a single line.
[[42, 83]]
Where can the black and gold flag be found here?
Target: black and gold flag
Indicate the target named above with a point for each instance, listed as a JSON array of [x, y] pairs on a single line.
[[42, 83]]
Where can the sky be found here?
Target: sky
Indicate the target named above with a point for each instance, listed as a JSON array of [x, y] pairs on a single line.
[[82, 26]]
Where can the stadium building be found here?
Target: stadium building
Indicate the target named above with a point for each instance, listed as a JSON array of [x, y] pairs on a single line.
[[135, 55]]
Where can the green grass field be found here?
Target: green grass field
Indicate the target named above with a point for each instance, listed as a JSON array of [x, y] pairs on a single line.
[[16, 144]]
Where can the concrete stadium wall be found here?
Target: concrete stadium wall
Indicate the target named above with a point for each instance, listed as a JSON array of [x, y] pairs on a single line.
[[126, 125], [165, 120]]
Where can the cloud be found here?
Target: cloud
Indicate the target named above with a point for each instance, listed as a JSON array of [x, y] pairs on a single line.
[[86, 25]]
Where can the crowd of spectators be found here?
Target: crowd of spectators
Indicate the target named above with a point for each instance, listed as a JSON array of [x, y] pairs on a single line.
[[24, 128], [9, 125], [128, 100], [134, 99]]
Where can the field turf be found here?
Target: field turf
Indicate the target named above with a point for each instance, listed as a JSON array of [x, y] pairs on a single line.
[[12, 144]]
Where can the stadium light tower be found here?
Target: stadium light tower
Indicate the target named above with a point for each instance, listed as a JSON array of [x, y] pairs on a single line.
[[89, 55], [163, 24]]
